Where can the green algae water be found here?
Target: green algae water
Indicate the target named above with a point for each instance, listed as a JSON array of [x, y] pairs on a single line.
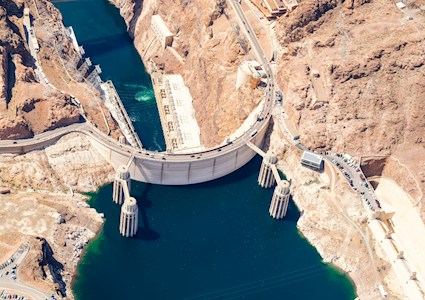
[[207, 241]]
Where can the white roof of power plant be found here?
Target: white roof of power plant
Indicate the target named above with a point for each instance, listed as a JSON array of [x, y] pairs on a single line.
[[312, 157], [160, 24], [180, 96]]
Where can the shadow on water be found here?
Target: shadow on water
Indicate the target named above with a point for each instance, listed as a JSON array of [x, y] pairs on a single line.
[[145, 232], [107, 44], [293, 213]]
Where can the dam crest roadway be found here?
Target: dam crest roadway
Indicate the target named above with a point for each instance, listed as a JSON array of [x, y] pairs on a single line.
[[168, 168]]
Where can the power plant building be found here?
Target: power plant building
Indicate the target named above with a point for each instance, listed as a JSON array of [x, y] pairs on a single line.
[[274, 8], [312, 160], [161, 30], [181, 129]]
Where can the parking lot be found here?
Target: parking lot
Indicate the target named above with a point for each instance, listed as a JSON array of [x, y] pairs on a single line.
[[355, 178], [5, 294], [10, 286]]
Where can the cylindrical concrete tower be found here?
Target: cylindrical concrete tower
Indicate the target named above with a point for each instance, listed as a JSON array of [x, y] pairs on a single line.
[[280, 200], [129, 217], [121, 178], [266, 178]]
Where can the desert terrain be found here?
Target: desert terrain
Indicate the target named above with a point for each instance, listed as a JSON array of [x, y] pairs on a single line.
[[352, 74]]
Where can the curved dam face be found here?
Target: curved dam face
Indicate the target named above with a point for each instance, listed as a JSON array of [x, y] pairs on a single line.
[[172, 169], [155, 167]]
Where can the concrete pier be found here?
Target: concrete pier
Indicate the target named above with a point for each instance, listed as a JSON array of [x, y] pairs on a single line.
[[84, 67], [280, 200], [122, 185], [129, 217], [266, 178]]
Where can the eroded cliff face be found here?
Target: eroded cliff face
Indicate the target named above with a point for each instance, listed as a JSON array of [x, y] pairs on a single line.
[[42, 212], [28, 105], [354, 75], [209, 47]]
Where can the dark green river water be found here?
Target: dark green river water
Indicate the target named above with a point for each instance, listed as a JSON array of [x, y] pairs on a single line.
[[208, 241]]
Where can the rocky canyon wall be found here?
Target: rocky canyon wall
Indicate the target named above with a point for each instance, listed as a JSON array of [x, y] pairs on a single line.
[[354, 75], [205, 41], [33, 105]]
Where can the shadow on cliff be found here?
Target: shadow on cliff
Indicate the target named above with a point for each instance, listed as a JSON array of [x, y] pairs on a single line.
[[55, 268], [144, 232]]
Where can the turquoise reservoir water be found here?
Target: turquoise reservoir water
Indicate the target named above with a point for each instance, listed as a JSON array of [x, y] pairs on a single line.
[[207, 241], [101, 30]]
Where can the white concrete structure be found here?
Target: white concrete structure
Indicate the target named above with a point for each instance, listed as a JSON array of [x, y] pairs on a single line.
[[169, 168], [31, 38], [73, 38], [280, 200], [118, 112], [161, 30], [129, 218], [266, 178], [122, 185], [84, 67], [93, 78], [402, 268], [400, 5], [181, 130], [312, 160], [250, 71]]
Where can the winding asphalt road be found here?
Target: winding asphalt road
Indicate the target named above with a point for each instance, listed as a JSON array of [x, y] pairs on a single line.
[[356, 180], [14, 285], [42, 140]]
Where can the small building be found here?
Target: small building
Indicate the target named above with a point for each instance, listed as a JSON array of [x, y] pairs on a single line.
[[161, 30], [270, 8], [250, 71], [312, 160]]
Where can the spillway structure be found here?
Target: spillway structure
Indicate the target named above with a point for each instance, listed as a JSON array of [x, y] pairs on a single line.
[[280, 200]]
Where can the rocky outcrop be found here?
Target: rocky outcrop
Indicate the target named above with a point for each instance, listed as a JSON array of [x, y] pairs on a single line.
[[130, 11], [44, 188], [14, 129], [367, 98], [71, 162], [44, 115], [47, 265]]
